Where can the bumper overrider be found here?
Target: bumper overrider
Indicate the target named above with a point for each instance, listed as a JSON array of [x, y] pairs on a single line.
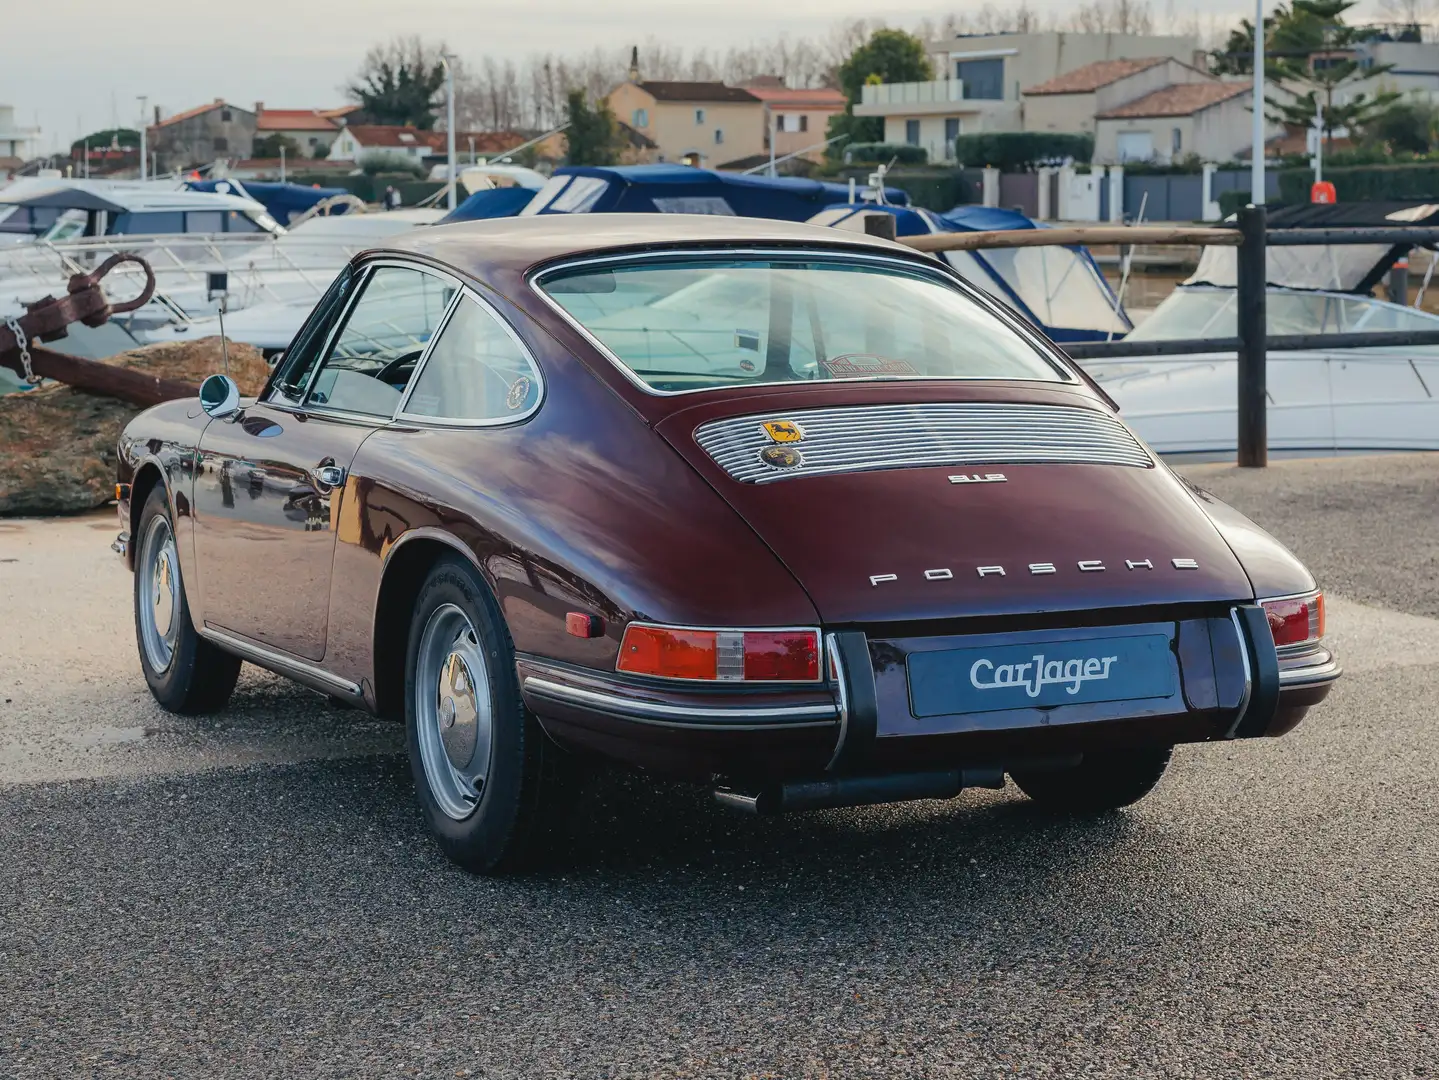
[[900, 717]]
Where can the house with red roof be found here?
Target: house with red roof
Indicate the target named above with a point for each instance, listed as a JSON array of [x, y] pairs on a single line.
[[202, 135], [312, 130]]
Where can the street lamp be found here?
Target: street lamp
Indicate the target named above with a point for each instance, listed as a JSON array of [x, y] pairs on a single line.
[[143, 99], [446, 58]]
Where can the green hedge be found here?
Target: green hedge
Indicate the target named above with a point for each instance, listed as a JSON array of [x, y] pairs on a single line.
[[880, 153], [1019, 151], [1365, 183]]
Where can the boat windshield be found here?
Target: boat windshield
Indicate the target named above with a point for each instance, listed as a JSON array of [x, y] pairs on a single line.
[[1201, 312], [700, 323]]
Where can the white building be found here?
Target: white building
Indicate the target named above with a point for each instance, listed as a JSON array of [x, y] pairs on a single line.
[[17, 144], [982, 79]]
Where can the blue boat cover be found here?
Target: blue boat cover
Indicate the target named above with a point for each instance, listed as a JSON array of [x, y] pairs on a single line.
[[490, 203], [282, 201], [681, 189]]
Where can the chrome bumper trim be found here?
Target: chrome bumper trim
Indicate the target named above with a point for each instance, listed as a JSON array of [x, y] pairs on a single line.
[[1313, 675], [715, 718], [121, 544], [292, 667]]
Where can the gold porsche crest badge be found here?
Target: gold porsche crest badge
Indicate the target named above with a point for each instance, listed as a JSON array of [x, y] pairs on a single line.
[[783, 431]]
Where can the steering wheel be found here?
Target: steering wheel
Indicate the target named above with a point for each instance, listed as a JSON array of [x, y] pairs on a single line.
[[393, 368]]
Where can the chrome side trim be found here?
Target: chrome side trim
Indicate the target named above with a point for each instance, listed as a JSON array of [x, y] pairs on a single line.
[[860, 438], [1248, 674], [121, 544], [831, 648], [302, 671], [732, 718], [1313, 675]]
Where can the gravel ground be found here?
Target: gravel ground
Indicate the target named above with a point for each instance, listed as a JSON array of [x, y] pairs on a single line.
[[253, 895]]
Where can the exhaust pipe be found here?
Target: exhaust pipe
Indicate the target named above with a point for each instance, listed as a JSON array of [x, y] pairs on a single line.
[[858, 791]]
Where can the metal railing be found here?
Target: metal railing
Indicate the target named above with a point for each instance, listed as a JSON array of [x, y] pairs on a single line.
[[1252, 238]]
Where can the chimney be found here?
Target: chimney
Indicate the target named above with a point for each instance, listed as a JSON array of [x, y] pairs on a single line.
[[634, 63], [157, 114], [219, 101], [259, 107]]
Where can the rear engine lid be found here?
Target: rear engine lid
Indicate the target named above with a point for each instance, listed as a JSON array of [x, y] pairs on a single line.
[[931, 510]]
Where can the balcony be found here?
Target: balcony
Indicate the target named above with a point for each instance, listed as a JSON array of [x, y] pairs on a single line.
[[935, 92]]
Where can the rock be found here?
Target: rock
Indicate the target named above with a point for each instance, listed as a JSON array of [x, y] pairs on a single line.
[[57, 444]]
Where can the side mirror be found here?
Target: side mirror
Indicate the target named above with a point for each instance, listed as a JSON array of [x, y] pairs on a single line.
[[219, 397]]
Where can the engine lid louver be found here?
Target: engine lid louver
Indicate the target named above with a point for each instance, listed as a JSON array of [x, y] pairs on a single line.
[[862, 438]]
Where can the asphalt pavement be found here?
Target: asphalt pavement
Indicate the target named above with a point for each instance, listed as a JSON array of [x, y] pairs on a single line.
[[253, 894]]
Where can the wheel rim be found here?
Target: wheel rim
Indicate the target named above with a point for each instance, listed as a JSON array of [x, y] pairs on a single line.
[[453, 712], [158, 594]]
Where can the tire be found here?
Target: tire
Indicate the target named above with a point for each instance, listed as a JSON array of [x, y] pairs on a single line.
[[1102, 781], [484, 770], [186, 674]]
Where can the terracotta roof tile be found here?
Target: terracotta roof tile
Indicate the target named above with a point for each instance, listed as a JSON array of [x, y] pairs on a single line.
[[294, 120], [1182, 99], [783, 97], [1091, 77]]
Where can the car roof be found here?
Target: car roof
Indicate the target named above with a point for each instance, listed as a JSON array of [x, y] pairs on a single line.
[[517, 245]]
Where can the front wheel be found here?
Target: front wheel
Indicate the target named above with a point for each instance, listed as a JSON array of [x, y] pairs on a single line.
[[1103, 781], [186, 674], [480, 761]]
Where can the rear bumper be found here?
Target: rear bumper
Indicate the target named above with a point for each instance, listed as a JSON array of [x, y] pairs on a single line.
[[861, 722]]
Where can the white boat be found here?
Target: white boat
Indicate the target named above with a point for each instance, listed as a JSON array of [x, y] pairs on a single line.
[[1319, 401], [49, 210]]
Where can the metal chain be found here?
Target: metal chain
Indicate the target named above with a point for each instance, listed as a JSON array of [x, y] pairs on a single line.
[[23, 344]]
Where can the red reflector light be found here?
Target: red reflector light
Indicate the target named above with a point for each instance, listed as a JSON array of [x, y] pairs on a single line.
[[720, 655], [788, 655], [1295, 621], [582, 625]]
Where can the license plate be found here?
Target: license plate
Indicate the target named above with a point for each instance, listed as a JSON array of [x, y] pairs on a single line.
[[1042, 675]]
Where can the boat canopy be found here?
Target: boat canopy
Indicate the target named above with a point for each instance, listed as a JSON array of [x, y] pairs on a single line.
[[1059, 289], [284, 202], [1350, 268], [682, 189], [1208, 311], [491, 203]]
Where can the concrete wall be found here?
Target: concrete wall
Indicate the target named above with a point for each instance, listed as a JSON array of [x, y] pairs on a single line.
[[200, 139], [672, 125]]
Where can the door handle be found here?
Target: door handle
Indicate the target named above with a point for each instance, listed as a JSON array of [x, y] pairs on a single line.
[[330, 476]]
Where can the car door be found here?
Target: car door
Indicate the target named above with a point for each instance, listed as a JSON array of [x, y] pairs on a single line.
[[272, 479]]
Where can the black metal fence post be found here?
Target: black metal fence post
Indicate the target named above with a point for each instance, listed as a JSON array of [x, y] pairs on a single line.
[[1250, 279]]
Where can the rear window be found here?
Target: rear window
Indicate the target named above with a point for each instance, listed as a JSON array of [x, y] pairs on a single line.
[[696, 324]]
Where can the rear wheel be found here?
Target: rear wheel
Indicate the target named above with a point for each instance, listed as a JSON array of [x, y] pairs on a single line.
[[481, 764], [1102, 781], [186, 674]]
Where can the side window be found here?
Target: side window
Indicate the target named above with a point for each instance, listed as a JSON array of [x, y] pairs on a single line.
[[300, 358], [476, 371], [384, 336]]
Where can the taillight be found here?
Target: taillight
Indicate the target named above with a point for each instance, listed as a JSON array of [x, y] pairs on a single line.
[[674, 652], [1296, 620]]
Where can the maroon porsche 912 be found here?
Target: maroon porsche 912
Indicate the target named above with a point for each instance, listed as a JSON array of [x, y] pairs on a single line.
[[794, 512]]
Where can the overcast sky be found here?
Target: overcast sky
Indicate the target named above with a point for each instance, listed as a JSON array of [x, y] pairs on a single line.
[[76, 65]]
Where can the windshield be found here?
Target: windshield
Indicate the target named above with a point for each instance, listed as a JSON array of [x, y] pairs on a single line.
[[1200, 312], [694, 324]]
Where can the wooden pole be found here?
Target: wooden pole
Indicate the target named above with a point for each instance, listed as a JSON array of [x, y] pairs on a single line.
[[1077, 234], [1251, 281]]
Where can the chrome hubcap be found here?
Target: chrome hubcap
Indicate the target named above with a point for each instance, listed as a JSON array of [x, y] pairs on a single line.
[[159, 578], [453, 711]]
